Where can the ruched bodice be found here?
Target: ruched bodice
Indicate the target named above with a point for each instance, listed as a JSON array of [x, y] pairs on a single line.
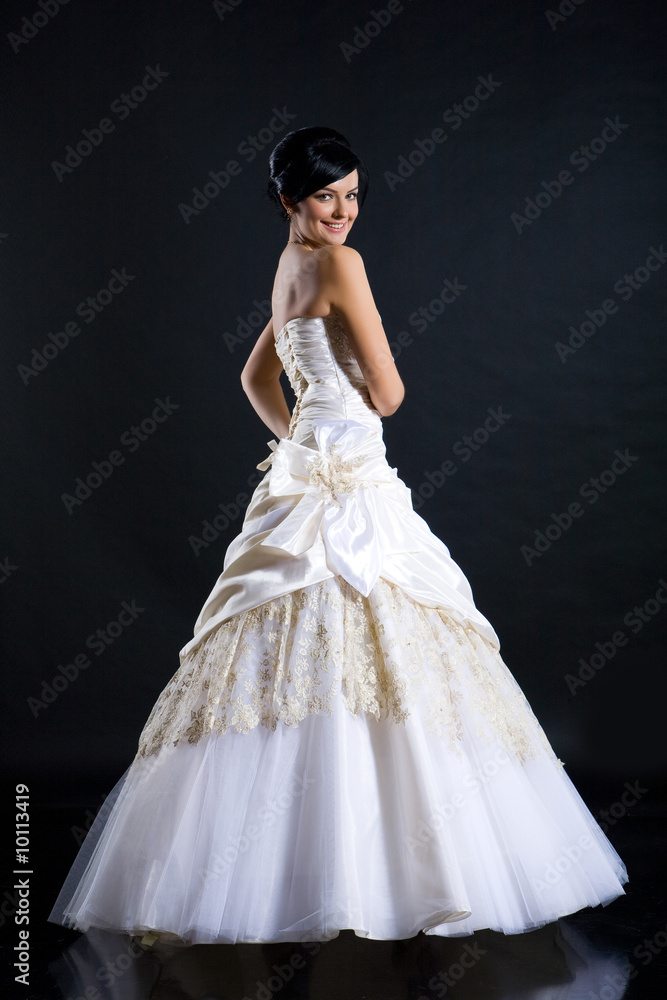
[[324, 375]]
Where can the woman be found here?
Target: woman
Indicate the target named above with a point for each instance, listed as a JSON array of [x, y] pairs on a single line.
[[336, 284], [342, 746]]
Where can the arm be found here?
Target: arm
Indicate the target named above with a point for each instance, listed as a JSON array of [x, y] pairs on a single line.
[[348, 292], [260, 379]]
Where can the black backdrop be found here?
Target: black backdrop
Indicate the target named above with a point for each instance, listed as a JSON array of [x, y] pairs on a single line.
[[517, 192]]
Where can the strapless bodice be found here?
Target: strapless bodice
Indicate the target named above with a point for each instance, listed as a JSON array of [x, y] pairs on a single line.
[[324, 375]]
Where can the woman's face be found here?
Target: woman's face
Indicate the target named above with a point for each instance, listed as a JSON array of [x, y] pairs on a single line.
[[326, 216]]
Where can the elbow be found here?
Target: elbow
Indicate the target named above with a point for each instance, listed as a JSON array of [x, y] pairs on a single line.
[[255, 387], [389, 403], [387, 392], [390, 408], [246, 382]]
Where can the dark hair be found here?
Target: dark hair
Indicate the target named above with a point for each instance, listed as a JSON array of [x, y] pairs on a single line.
[[310, 158]]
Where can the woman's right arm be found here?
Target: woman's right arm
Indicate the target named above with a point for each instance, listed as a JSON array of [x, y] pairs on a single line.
[[260, 379], [346, 288]]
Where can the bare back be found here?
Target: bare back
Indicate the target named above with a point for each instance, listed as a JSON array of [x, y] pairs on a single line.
[[314, 284], [298, 288]]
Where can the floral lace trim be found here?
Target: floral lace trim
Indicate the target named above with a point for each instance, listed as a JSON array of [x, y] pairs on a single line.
[[384, 655], [333, 475]]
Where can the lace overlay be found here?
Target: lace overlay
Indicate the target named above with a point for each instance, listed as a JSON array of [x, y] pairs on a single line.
[[384, 655]]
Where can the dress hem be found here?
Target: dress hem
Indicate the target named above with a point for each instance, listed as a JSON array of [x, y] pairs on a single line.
[[168, 939]]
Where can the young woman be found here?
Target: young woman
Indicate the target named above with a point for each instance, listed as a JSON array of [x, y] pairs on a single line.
[[342, 746]]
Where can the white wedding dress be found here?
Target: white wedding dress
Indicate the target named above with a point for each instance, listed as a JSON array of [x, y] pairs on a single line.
[[342, 746]]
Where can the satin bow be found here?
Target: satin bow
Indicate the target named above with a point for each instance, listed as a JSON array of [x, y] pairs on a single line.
[[348, 495]]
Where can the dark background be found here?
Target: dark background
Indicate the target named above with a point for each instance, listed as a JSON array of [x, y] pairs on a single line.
[[67, 573]]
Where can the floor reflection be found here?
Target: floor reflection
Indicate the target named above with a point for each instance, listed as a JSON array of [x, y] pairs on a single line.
[[553, 963]]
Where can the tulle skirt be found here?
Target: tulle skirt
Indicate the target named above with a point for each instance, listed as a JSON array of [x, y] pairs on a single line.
[[330, 761]]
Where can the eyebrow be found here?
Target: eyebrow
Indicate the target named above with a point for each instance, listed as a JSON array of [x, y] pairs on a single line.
[[355, 188]]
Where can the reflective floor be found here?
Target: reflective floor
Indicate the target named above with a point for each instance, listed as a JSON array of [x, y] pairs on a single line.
[[601, 954]]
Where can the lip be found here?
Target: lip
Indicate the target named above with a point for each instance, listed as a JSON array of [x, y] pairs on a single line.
[[339, 228]]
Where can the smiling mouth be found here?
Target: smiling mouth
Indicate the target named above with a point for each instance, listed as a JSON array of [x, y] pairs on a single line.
[[335, 227]]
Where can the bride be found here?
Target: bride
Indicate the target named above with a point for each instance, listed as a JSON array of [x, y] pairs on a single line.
[[342, 746], [332, 283]]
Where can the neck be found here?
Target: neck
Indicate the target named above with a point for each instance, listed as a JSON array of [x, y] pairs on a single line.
[[302, 241]]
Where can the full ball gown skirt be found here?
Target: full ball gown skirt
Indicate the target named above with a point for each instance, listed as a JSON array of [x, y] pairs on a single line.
[[342, 745]]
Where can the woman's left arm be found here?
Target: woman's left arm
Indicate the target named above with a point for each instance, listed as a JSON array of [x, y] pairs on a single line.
[[260, 379]]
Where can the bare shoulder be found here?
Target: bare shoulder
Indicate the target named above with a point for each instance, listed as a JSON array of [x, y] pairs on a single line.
[[342, 256], [342, 264]]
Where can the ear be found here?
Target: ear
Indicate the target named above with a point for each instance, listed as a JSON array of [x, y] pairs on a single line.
[[286, 203]]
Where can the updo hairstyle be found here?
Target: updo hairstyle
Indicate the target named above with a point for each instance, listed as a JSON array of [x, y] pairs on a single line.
[[310, 158]]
